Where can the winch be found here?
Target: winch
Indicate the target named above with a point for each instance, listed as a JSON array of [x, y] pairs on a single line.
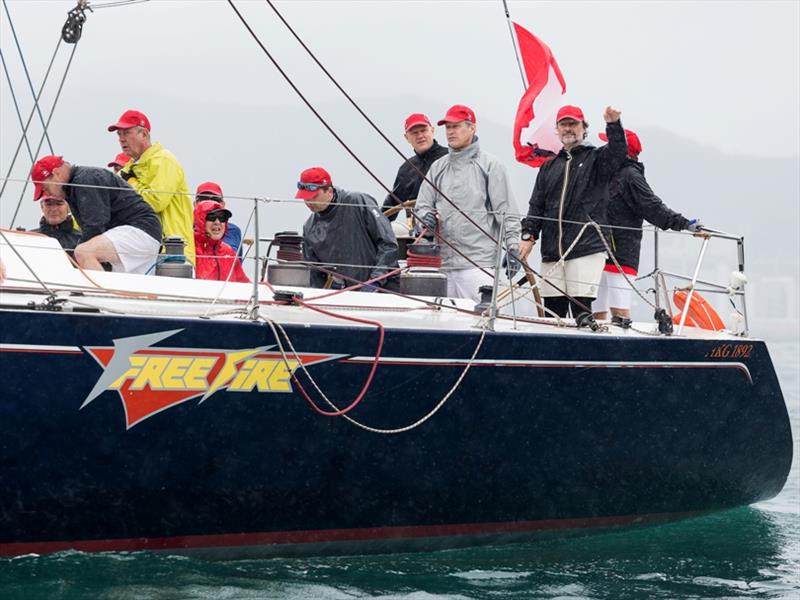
[[174, 263], [289, 268], [423, 276]]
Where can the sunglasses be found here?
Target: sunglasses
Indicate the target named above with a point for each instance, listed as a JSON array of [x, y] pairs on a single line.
[[311, 187], [220, 218]]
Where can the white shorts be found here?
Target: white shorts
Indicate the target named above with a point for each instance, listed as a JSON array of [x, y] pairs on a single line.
[[579, 277], [465, 283], [614, 292], [137, 250]]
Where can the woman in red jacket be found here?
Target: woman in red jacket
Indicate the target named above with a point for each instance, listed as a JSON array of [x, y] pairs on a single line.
[[215, 259]]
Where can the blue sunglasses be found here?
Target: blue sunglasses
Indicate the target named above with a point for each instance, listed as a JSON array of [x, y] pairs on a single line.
[[311, 187]]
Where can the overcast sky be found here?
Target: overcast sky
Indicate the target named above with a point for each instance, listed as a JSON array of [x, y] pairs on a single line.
[[723, 74]]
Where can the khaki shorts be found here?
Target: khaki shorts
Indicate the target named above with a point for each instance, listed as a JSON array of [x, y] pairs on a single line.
[[578, 277]]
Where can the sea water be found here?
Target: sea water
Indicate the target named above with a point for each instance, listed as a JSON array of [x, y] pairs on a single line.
[[750, 552]]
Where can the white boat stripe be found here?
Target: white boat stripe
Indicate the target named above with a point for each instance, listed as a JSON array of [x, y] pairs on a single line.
[[38, 348]]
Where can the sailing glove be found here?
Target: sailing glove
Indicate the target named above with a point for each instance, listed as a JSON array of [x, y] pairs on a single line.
[[126, 175], [694, 225], [429, 220], [510, 262]]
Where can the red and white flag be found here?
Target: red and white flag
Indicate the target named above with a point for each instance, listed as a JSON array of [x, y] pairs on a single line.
[[535, 138]]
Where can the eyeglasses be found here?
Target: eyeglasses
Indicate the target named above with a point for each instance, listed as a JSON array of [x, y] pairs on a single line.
[[220, 218], [311, 187]]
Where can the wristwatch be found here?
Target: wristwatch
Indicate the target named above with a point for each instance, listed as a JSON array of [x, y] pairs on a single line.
[[526, 236]]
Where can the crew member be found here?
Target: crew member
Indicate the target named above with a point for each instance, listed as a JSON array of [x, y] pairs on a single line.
[[419, 133], [215, 258], [478, 189], [210, 190], [631, 202], [120, 160], [117, 226], [346, 234], [570, 191], [158, 176], [57, 222]]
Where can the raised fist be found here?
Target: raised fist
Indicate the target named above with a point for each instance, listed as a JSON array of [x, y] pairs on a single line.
[[612, 114]]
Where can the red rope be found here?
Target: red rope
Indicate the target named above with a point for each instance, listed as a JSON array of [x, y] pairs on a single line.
[[367, 383], [423, 260]]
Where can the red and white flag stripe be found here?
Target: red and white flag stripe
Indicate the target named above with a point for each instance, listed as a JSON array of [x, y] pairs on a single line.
[[534, 126]]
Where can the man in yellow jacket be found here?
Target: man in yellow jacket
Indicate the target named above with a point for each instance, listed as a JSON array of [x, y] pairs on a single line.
[[156, 174]]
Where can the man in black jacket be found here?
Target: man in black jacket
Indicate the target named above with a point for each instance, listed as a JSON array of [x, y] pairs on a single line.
[[631, 202], [346, 233], [570, 191], [117, 225], [419, 133], [56, 222]]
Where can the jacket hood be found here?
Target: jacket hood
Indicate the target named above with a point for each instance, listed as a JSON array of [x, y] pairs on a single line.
[[201, 211]]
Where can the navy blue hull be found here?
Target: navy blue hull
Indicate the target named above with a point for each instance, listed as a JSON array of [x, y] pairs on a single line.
[[581, 431]]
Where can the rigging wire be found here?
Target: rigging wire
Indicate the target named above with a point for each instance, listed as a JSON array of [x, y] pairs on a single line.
[[27, 266], [376, 128], [16, 104], [419, 172], [304, 99], [115, 4], [27, 73], [47, 124], [28, 122], [345, 146]]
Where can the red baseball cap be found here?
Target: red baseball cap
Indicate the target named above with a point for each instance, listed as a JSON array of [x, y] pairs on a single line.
[[570, 112], [131, 118], [417, 119], [457, 113], [209, 188], [634, 144], [315, 176], [120, 160], [42, 169]]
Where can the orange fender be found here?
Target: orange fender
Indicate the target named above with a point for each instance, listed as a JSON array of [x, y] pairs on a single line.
[[700, 312]]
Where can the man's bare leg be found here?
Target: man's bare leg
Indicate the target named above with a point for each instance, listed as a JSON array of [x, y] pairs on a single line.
[[97, 250]]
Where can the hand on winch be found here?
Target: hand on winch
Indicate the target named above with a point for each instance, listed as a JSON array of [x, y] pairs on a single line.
[[429, 220]]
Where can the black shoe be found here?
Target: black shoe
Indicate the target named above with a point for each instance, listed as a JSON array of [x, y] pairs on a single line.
[[623, 322]]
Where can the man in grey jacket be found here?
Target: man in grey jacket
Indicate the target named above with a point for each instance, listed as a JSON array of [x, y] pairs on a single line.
[[478, 190], [346, 234]]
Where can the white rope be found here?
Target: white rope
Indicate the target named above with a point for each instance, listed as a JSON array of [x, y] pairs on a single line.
[[274, 325]]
